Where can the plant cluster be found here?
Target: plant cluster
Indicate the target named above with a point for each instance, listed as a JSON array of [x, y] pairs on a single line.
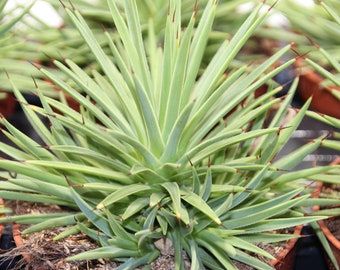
[[165, 144]]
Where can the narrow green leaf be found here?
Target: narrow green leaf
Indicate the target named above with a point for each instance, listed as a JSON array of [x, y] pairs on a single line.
[[104, 252], [257, 208], [73, 167], [55, 222], [122, 193], [45, 188], [28, 144], [195, 180], [163, 224], [34, 120], [268, 237], [206, 188], [252, 218], [219, 253], [199, 203], [172, 144], [133, 263], [301, 174], [150, 219], [276, 224], [173, 189], [136, 39], [33, 197], [178, 78], [252, 184], [112, 73], [135, 207], [245, 245], [117, 227], [31, 218], [252, 261], [224, 206], [93, 215], [33, 172], [196, 262], [155, 198], [67, 232], [197, 49], [155, 141], [94, 234]]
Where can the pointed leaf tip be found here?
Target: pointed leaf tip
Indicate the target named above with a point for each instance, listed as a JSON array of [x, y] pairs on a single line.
[[273, 5], [35, 82], [100, 206], [72, 6], [62, 3], [5, 70], [35, 65]]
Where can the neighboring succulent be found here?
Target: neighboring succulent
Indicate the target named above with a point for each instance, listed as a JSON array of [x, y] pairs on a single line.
[[7, 23], [317, 22], [6, 42], [14, 56], [39, 41], [317, 31], [161, 147]]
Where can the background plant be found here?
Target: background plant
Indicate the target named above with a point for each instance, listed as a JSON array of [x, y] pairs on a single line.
[[162, 148], [40, 41], [318, 23], [6, 37], [314, 29]]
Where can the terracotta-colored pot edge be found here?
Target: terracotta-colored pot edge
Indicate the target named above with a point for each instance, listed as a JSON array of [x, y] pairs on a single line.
[[17, 237], [286, 259], [323, 101]]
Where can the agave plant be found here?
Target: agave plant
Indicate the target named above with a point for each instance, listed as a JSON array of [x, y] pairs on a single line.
[[162, 148]]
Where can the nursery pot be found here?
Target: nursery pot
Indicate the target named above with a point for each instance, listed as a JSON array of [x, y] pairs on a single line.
[[285, 260], [2, 215], [6, 244], [8, 104], [322, 99], [18, 240], [333, 241]]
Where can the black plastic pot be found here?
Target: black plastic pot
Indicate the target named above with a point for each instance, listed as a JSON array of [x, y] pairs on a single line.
[[6, 244], [309, 252]]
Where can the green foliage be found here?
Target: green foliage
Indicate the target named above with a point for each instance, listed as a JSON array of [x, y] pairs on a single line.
[[310, 25], [6, 37], [163, 146], [16, 48]]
